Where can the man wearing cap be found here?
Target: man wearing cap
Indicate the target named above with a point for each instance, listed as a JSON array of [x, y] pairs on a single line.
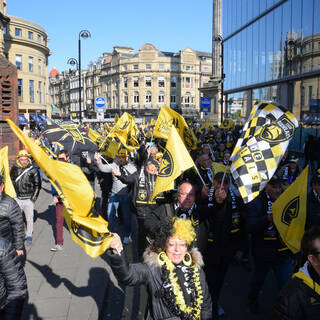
[[290, 172], [227, 238], [313, 203], [268, 250], [120, 193], [27, 183], [142, 182]]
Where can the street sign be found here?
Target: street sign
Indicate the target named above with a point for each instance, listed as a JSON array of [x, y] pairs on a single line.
[[100, 104], [100, 115], [205, 104]]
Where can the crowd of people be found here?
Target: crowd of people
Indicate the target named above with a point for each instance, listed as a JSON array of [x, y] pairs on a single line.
[[186, 237]]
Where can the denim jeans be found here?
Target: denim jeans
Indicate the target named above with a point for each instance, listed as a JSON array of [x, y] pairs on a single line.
[[124, 201], [282, 269]]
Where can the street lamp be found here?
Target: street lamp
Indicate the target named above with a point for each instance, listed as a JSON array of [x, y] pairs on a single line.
[[220, 40], [85, 34], [73, 62]]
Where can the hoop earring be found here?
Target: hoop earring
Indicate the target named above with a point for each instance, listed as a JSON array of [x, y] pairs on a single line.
[[161, 258], [187, 260]]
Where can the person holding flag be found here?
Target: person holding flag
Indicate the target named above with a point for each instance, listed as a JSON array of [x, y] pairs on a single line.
[[120, 194], [142, 184], [268, 250], [313, 202]]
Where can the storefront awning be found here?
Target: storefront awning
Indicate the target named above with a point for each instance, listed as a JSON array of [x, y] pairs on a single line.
[[22, 119]]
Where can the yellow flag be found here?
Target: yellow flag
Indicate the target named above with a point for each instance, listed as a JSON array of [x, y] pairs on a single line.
[[219, 167], [116, 118], [82, 233], [125, 131], [4, 171], [107, 128], [152, 122], [206, 125], [168, 117], [176, 159], [75, 191], [289, 212], [108, 147], [227, 123]]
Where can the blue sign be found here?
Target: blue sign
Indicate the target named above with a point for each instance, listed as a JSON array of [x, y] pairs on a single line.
[[100, 103], [205, 104]]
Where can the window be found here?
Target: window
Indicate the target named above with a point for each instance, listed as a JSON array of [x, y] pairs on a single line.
[[19, 61], [188, 68], [20, 90], [30, 64], [174, 67], [31, 91], [148, 97], [125, 98], [18, 32], [302, 96], [39, 66], [135, 67], [310, 92], [136, 97], [124, 68], [173, 82], [148, 82], [173, 99], [125, 82], [135, 82], [161, 66], [161, 82], [161, 97], [188, 83], [39, 38], [148, 66], [187, 99], [30, 35], [40, 92]]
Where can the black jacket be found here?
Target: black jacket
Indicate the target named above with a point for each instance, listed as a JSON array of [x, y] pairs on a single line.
[[11, 221], [297, 301], [140, 201], [313, 211], [266, 242], [199, 218], [29, 185], [149, 274], [227, 233], [13, 282]]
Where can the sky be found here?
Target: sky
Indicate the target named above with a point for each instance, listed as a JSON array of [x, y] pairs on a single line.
[[170, 25]]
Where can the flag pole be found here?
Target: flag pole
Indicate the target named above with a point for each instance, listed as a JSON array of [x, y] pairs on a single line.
[[224, 175], [199, 175]]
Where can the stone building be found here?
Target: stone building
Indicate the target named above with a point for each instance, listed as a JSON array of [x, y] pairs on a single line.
[[26, 46]]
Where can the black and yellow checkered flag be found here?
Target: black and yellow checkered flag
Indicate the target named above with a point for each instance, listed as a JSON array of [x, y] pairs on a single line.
[[260, 148]]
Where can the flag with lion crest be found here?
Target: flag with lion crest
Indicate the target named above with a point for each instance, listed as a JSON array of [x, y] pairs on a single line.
[[260, 148]]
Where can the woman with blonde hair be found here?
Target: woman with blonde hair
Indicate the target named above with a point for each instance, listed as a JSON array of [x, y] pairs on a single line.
[[171, 271]]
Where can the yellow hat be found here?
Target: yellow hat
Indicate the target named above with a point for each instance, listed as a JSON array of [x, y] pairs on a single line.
[[123, 153], [23, 153], [159, 155]]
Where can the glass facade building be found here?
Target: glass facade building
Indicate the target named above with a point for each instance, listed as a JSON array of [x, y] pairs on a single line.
[[272, 52]]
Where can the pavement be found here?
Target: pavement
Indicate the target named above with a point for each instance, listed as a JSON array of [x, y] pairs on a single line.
[[62, 285]]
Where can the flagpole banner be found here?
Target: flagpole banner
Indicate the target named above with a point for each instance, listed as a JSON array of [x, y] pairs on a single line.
[[126, 131], [176, 159], [5, 172], [168, 117], [69, 135], [289, 212], [76, 193], [260, 148]]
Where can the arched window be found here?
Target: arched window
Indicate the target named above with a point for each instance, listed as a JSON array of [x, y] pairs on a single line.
[[136, 97], [148, 98]]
